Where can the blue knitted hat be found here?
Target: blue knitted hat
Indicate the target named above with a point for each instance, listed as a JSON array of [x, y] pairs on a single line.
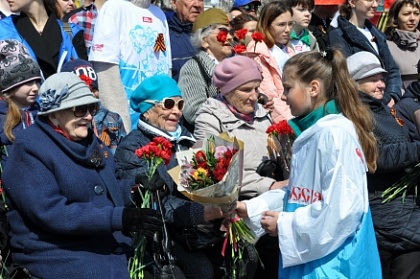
[[155, 88]]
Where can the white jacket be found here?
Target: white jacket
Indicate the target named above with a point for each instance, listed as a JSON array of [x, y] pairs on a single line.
[[326, 229]]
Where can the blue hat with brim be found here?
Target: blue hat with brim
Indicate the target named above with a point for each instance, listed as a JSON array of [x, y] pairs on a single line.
[[155, 88]]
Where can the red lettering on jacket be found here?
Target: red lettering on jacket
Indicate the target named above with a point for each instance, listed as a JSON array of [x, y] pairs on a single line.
[[304, 195]]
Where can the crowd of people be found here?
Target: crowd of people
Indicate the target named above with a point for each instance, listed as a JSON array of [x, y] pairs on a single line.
[[81, 89]]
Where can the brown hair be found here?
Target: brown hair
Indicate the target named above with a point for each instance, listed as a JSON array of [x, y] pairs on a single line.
[[268, 14], [395, 9], [239, 21], [13, 116], [337, 85], [306, 4]]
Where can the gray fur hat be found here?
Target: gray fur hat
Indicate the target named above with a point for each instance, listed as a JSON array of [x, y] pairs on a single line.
[[16, 65], [63, 91]]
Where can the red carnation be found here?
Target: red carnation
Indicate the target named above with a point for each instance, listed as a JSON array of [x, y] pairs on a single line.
[[86, 79], [219, 172], [241, 33], [222, 36], [239, 49], [258, 37]]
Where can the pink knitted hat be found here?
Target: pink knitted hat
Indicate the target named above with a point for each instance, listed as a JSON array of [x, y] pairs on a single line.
[[235, 71]]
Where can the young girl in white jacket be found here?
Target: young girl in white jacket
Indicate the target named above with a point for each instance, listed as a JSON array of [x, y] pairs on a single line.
[[324, 225]]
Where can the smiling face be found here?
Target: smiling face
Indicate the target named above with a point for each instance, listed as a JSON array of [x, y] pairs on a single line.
[[76, 128], [244, 97], [408, 18], [219, 50], [165, 119], [301, 15], [373, 86], [281, 27], [188, 10], [25, 94]]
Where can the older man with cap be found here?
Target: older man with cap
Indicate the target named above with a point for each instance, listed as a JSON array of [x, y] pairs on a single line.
[[68, 216], [195, 76], [394, 221]]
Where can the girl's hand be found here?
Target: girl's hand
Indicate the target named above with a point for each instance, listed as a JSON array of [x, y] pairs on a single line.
[[269, 222], [241, 209]]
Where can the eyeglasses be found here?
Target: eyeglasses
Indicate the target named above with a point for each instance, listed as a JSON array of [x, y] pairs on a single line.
[[283, 25], [168, 103], [80, 111], [251, 7]]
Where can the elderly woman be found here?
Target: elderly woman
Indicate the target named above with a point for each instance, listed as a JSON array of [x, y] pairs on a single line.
[[158, 100], [395, 222], [402, 37], [236, 112], [355, 32], [67, 215], [195, 76]]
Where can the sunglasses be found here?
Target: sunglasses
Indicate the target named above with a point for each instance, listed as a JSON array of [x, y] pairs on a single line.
[[168, 103], [80, 111], [251, 7]]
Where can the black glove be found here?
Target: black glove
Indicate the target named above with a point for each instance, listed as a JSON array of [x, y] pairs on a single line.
[[156, 183], [144, 220]]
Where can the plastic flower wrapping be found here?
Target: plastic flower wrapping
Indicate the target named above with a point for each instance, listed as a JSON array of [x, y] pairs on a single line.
[[211, 173]]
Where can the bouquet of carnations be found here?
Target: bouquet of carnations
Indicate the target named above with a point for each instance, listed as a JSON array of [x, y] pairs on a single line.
[[158, 151], [211, 173], [279, 144], [240, 41]]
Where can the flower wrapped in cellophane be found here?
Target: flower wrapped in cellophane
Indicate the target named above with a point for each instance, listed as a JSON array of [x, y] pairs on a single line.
[[211, 173]]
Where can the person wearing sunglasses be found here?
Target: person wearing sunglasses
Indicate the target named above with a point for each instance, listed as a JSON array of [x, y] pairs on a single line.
[[247, 6], [67, 208], [158, 100]]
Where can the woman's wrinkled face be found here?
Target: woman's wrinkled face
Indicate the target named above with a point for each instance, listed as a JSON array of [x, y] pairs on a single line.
[[215, 48], [408, 18], [373, 86], [165, 119], [296, 95], [75, 127], [364, 8], [25, 94], [281, 27], [244, 98]]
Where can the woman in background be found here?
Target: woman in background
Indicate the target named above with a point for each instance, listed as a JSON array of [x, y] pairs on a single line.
[[402, 36]]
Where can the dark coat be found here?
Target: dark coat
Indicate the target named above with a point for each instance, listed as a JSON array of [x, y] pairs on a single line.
[[182, 50], [66, 206], [179, 210], [409, 103], [350, 40], [396, 224]]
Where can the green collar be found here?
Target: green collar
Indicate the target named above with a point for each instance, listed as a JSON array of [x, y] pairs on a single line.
[[300, 124], [303, 36]]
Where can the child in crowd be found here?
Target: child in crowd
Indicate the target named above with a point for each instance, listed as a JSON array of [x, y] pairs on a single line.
[[325, 226], [301, 38], [19, 83], [107, 125]]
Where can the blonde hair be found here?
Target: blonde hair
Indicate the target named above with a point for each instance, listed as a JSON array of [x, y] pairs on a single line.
[[337, 85]]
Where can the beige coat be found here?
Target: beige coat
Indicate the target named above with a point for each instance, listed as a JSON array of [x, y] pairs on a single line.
[[214, 117]]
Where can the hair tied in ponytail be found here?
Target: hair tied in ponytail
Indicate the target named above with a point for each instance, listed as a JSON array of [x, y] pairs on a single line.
[[327, 53]]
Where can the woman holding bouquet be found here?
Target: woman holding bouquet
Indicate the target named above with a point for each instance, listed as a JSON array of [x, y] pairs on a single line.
[[67, 209], [396, 222], [158, 100], [326, 226]]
